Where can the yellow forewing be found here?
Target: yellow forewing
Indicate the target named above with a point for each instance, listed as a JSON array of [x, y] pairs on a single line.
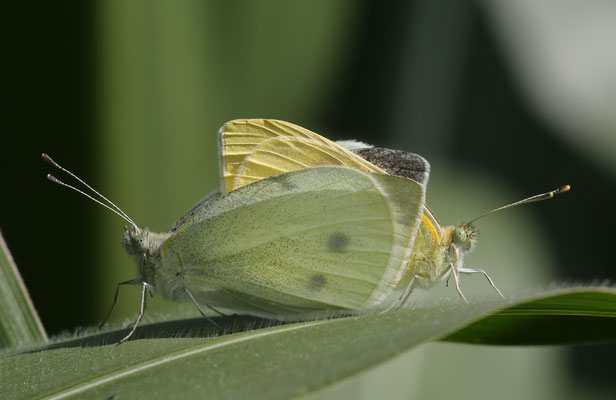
[[254, 149], [323, 238]]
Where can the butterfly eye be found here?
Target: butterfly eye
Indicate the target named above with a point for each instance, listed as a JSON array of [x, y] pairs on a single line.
[[459, 236]]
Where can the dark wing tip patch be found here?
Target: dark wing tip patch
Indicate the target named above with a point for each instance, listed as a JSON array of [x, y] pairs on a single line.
[[398, 163]]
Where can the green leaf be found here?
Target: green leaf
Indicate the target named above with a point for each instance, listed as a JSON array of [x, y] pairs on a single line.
[[19, 322], [578, 317], [177, 359]]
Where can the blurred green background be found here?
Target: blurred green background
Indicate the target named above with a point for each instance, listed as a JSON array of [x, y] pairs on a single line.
[[505, 99]]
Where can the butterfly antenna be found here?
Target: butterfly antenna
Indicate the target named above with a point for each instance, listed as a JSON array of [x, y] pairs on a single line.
[[532, 199], [110, 206]]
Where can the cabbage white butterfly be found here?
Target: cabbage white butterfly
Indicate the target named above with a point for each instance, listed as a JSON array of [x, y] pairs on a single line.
[[253, 149], [292, 246]]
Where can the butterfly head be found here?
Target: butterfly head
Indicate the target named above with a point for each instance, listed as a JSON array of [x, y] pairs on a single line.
[[464, 237], [145, 247], [142, 242], [136, 240]]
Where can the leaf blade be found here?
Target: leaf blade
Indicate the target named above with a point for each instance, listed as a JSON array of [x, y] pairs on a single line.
[[283, 361], [571, 318], [19, 321]]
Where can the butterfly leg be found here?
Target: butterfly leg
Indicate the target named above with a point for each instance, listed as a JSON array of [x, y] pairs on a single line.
[[115, 298], [407, 293], [200, 310], [396, 305], [456, 278], [181, 261], [144, 288], [474, 271], [222, 314]]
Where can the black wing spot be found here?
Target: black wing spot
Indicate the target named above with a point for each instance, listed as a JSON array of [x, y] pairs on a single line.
[[338, 242], [317, 281]]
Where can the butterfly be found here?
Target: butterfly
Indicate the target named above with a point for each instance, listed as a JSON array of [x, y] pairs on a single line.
[[254, 149], [298, 245]]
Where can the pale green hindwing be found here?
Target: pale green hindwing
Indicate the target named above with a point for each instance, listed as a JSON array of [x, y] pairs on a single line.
[[315, 239]]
